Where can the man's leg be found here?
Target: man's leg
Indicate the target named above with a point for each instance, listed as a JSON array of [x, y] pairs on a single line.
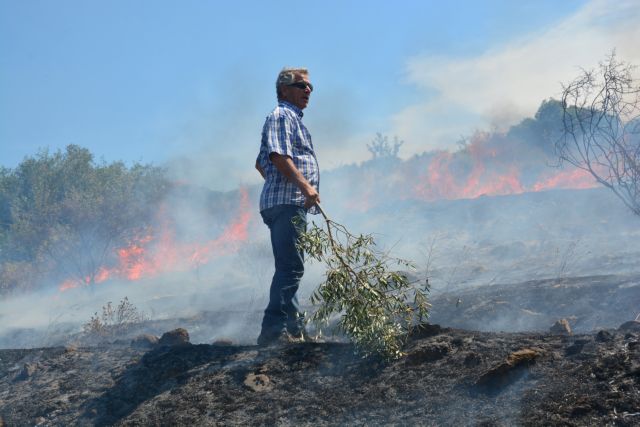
[[282, 313]]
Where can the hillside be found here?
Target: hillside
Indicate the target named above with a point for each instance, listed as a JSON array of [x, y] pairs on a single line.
[[448, 377]]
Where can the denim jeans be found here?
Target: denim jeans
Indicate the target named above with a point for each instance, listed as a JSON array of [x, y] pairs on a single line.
[[283, 312]]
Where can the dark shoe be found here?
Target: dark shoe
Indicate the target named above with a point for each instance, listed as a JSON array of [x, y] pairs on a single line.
[[269, 338], [279, 339], [303, 336]]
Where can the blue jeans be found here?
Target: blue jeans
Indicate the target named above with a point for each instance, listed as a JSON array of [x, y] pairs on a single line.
[[283, 312]]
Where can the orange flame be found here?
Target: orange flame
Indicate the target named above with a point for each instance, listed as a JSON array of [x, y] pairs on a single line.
[[485, 167], [138, 260], [576, 178]]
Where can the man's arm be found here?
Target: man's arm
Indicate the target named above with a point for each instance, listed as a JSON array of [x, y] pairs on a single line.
[[260, 170], [285, 166]]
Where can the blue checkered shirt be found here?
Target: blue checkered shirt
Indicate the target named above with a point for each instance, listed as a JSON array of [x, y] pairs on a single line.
[[285, 134]]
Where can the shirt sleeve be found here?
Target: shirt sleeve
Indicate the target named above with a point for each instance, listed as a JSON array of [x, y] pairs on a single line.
[[278, 134]]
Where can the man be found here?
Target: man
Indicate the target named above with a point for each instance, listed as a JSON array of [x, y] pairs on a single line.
[[288, 164]]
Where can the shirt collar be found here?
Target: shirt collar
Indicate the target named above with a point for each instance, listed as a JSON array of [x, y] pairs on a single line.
[[291, 106]]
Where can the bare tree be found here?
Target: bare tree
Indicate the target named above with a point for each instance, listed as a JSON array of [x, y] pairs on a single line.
[[601, 128], [380, 148]]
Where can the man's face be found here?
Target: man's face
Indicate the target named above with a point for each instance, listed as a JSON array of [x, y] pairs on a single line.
[[298, 96]]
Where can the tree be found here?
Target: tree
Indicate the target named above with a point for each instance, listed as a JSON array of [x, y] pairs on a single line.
[[544, 127], [380, 148], [64, 213], [601, 128]]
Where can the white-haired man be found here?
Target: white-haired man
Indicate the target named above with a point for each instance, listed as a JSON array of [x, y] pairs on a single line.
[[288, 164]]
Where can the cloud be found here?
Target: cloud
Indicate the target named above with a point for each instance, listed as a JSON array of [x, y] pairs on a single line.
[[505, 84]]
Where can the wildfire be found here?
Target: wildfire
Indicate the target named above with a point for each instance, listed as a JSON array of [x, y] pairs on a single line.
[[490, 165], [491, 168], [576, 178], [148, 256]]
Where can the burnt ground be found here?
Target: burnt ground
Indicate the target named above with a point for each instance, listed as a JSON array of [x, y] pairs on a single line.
[[448, 377], [588, 303]]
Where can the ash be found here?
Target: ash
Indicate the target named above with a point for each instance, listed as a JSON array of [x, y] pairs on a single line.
[[449, 376]]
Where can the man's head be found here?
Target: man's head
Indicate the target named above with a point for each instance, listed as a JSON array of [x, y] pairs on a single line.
[[294, 87]]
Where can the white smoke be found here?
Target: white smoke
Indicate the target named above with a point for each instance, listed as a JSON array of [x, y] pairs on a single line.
[[507, 83]]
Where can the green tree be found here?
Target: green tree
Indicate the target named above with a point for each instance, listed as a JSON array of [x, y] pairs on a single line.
[[65, 213], [544, 127]]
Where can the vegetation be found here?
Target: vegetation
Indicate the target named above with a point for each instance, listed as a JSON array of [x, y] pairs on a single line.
[[113, 322], [380, 148], [601, 128], [377, 304], [62, 214]]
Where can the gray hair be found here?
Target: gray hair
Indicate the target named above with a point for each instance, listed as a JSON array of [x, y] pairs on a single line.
[[288, 76]]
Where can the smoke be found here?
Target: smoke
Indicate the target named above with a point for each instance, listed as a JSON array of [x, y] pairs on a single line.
[[502, 85], [218, 149], [491, 212], [455, 243]]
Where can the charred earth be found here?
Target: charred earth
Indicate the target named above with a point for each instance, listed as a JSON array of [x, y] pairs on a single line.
[[448, 377]]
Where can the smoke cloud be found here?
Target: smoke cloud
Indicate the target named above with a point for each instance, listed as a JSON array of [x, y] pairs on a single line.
[[505, 84], [491, 212]]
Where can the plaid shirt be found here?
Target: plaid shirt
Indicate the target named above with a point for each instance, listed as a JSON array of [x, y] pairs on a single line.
[[284, 133]]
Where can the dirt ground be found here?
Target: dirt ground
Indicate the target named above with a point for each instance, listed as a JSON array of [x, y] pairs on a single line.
[[588, 303], [448, 376]]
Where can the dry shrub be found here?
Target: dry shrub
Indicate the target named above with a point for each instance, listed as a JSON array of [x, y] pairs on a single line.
[[113, 322]]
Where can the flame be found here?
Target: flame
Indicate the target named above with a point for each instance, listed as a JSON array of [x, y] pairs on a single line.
[[147, 256], [489, 166], [576, 178], [442, 183]]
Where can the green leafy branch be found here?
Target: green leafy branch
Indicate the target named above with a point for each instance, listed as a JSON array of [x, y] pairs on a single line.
[[377, 303]]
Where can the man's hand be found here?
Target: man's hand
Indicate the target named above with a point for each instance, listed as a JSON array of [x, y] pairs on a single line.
[[311, 197], [285, 166]]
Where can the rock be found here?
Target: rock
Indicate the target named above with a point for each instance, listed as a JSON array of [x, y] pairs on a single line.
[[507, 372], [561, 327], [573, 349], [604, 336], [631, 326], [580, 410], [472, 359], [425, 330], [522, 356], [176, 337], [457, 341], [428, 353], [576, 347], [145, 341], [222, 342], [27, 371], [258, 382]]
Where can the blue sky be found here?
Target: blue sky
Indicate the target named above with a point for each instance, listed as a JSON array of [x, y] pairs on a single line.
[[188, 83]]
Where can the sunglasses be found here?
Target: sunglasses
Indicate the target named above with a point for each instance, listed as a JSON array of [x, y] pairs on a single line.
[[302, 85]]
